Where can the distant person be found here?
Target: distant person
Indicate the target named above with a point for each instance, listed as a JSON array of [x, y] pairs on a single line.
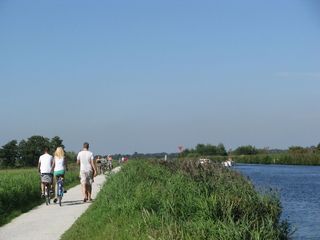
[[45, 167], [98, 165], [87, 171], [60, 167], [109, 164]]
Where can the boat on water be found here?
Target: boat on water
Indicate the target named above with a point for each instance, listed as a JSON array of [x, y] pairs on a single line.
[[228, 163]]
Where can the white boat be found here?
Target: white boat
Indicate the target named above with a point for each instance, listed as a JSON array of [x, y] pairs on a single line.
[[228, 163]]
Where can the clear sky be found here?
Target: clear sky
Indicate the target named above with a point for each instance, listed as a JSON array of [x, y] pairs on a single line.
[[148, 76]]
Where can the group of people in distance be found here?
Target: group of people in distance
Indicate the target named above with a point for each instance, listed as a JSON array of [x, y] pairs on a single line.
[[56, 165]]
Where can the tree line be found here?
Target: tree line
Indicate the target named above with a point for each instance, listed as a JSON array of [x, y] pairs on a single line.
[[26, 153], [219, 150]]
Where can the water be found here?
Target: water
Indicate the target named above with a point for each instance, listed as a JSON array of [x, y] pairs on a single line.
[[299, 191]]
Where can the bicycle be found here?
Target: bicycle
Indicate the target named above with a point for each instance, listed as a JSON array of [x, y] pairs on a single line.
[[46, 180], [104, 166], [60, 189], [47, 192], [109, 166]]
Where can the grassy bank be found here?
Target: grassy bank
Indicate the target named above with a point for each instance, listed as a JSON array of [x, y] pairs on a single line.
[[20, 190], [282, 158], [179, 200]]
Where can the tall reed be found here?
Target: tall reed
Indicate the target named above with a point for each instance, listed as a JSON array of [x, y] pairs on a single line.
[[280, 158]]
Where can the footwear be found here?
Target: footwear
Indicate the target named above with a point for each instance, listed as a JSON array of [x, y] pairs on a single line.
[[55, 200], [84, 200], [90, 199], [42, 195]]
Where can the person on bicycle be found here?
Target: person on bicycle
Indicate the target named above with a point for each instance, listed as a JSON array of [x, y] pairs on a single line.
[[60, 167], [45, 166], [110, 162]]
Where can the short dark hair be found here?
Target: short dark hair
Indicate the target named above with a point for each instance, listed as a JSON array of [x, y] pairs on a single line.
[[86, 145], [46, 149]]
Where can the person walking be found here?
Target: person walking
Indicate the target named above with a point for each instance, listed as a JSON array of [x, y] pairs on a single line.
[[109, 163], [45, 167], [60, 167], [87, 171]]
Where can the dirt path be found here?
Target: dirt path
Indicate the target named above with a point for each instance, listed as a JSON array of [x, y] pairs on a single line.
[[50, 222]]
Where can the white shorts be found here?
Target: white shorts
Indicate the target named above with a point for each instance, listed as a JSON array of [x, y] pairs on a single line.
[[86, 177]]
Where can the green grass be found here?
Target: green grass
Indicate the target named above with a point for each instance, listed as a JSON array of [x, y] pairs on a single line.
[[20, 190], [281, 158], [180, 200]]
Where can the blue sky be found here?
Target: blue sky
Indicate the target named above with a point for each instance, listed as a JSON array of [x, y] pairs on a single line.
[[148, 76]]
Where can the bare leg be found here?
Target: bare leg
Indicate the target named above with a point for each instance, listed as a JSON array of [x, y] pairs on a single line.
[[84, 191], [42, 188], [89, 191], [55, 190]]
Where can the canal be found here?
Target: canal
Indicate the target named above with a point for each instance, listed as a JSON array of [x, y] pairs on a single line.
[[299, 192]]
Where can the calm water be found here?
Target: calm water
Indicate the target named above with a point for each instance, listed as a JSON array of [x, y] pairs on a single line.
[[299, 189]]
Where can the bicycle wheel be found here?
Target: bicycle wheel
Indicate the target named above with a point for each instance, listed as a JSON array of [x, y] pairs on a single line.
[[47, 193]]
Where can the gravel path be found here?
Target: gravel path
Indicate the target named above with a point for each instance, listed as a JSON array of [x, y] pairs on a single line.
[[50, 222]]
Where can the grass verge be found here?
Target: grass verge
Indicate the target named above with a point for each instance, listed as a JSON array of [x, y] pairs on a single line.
[[180, 200], [20, 190]]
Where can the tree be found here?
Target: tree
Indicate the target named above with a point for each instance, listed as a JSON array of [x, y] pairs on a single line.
[[56, 142], [71, 157], [297, 149], [221, 150], [246, 150], [32, 149], [210, 150], [9, 154]]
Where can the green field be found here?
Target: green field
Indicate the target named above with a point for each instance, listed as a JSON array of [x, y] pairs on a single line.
[[20, 190], [180, 200]]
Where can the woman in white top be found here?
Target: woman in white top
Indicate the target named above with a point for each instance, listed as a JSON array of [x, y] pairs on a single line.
[[59, 167]]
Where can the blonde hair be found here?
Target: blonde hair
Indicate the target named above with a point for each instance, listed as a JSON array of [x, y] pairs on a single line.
[[59, 153]]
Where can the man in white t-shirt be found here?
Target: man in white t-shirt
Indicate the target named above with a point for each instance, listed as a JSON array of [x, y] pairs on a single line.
[[45, 165], [87, 171]]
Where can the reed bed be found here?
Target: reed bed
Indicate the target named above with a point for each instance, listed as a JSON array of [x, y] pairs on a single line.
[[311, 159]]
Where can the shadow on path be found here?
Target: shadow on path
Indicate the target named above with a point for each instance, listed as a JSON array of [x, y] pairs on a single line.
[[71, 203]]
